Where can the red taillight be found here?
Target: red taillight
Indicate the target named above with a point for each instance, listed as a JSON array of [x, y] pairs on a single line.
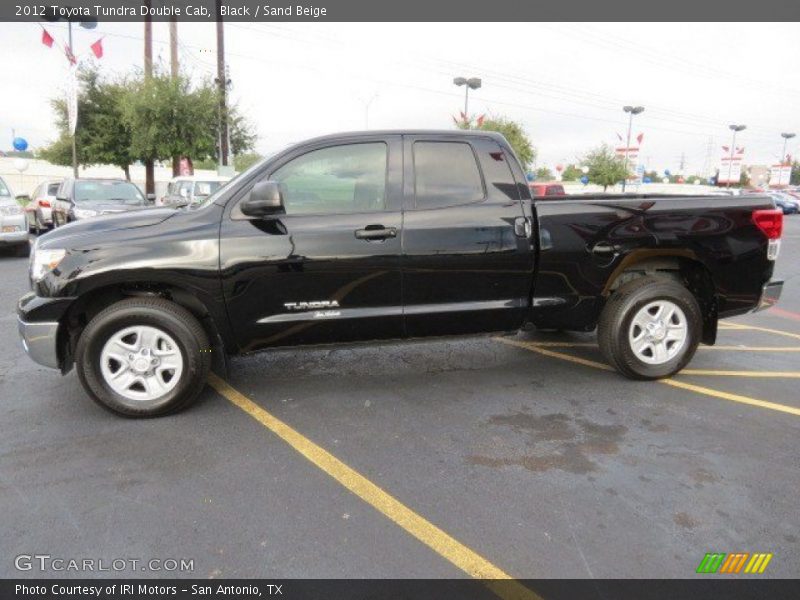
[[44, 203], [770, 222]]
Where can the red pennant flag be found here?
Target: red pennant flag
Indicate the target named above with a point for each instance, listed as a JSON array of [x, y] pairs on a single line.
[[639, 138], [725, 149], [480, 120], [47, 39], [97, 48]]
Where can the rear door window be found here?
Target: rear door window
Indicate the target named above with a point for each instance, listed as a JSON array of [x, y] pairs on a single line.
[[52, 189], [446, 174]]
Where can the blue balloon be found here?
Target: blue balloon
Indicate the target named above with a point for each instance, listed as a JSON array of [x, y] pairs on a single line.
[[584, 180], [20, 144], [647, 180], [666, 172], [530, 176]]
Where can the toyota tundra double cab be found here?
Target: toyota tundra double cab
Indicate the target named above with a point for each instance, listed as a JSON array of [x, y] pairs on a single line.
[[383, 236]]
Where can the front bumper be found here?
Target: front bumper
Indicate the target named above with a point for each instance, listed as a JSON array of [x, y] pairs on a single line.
[[17, 235], [40, 341], [770, 294]]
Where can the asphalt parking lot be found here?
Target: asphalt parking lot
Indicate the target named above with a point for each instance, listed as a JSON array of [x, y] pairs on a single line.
[[437, 459]]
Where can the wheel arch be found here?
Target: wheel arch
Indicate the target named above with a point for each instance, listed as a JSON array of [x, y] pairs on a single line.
[[681, 265], [89, 304]]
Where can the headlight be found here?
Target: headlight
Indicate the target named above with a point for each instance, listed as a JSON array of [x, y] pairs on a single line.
[[44, 261], [84, 213]]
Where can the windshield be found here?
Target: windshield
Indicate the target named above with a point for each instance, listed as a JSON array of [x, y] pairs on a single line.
[[4, 189], [108, 192], [205, 188]]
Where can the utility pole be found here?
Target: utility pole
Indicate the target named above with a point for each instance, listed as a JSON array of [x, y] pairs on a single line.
[[631, 110], [735, 129], [74, 133], [174, 71], [222, 81], [149, 167]]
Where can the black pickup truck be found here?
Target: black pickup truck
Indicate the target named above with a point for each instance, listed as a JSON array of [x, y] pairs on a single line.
[[379, 236]]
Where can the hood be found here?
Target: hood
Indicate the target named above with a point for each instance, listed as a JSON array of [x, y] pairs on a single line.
[[110, 207], [105, 224]]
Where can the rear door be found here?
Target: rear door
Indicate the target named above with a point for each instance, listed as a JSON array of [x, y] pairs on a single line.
[[329, 269], [467, 254]]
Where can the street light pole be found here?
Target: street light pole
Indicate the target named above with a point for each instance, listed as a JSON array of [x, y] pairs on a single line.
[[74, 133], [631, 110], [786, 137], [471, 83], [736, 129]]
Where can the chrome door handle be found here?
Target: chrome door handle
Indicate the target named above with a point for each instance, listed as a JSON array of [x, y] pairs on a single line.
[[376, 232], [603, 248]]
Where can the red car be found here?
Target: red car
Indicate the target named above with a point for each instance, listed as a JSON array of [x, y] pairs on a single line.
[[547, 188]]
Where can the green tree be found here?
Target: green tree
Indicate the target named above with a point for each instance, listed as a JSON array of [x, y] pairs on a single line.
[[795, 176], [242, 162], [168, 117], [605, 167], [102, 137], [512, 131], [174, 117], [571, 173], [544, 174]]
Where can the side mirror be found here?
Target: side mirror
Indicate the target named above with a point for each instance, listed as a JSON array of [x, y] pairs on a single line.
[[265, 199]]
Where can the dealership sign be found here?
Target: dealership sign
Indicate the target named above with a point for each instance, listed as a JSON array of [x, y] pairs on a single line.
[[730, 168]]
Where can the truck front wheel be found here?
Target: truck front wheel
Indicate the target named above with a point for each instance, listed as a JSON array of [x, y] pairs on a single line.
[[650, 328], [143, 357]]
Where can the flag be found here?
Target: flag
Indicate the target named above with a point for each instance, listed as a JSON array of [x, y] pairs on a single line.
[[47, 39], [639, 138], [726, 149], [480, 120], [97, 48], [619, 136], [70, 56]]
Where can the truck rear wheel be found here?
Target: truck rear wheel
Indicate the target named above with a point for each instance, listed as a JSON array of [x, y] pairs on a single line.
[[650, 328], [143, 357]]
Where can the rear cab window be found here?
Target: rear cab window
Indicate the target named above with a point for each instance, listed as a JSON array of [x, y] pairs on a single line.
[[446, 174]]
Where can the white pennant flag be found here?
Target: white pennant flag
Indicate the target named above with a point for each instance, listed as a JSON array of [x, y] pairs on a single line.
[[72, 98]]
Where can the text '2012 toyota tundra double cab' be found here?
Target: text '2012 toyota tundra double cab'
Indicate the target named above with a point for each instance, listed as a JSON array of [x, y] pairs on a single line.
[[387, 235]]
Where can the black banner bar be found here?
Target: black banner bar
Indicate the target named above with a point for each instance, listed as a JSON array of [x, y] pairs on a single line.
[[405, 10], [702, 588]]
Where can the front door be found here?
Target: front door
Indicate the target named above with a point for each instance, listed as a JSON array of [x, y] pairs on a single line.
[[467, 254], [328, 270]]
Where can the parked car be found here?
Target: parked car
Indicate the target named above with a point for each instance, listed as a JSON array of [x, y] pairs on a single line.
[[786, 203], [191, 190], [13, 226], [40, 209], [342, 239], [79, 199], [546, 188]]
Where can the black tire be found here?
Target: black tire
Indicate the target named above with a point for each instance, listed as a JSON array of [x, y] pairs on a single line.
[[615, 322], [22, 250], [162, 314]]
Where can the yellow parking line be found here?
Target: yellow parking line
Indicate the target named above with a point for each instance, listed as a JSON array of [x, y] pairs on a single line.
[[735, 326], [717, 347], [732, 397], [752, 348], [672, 382], [426, 532], [763, 374]]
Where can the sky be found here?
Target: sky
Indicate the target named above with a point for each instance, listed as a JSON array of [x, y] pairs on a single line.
[[565, 83]]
